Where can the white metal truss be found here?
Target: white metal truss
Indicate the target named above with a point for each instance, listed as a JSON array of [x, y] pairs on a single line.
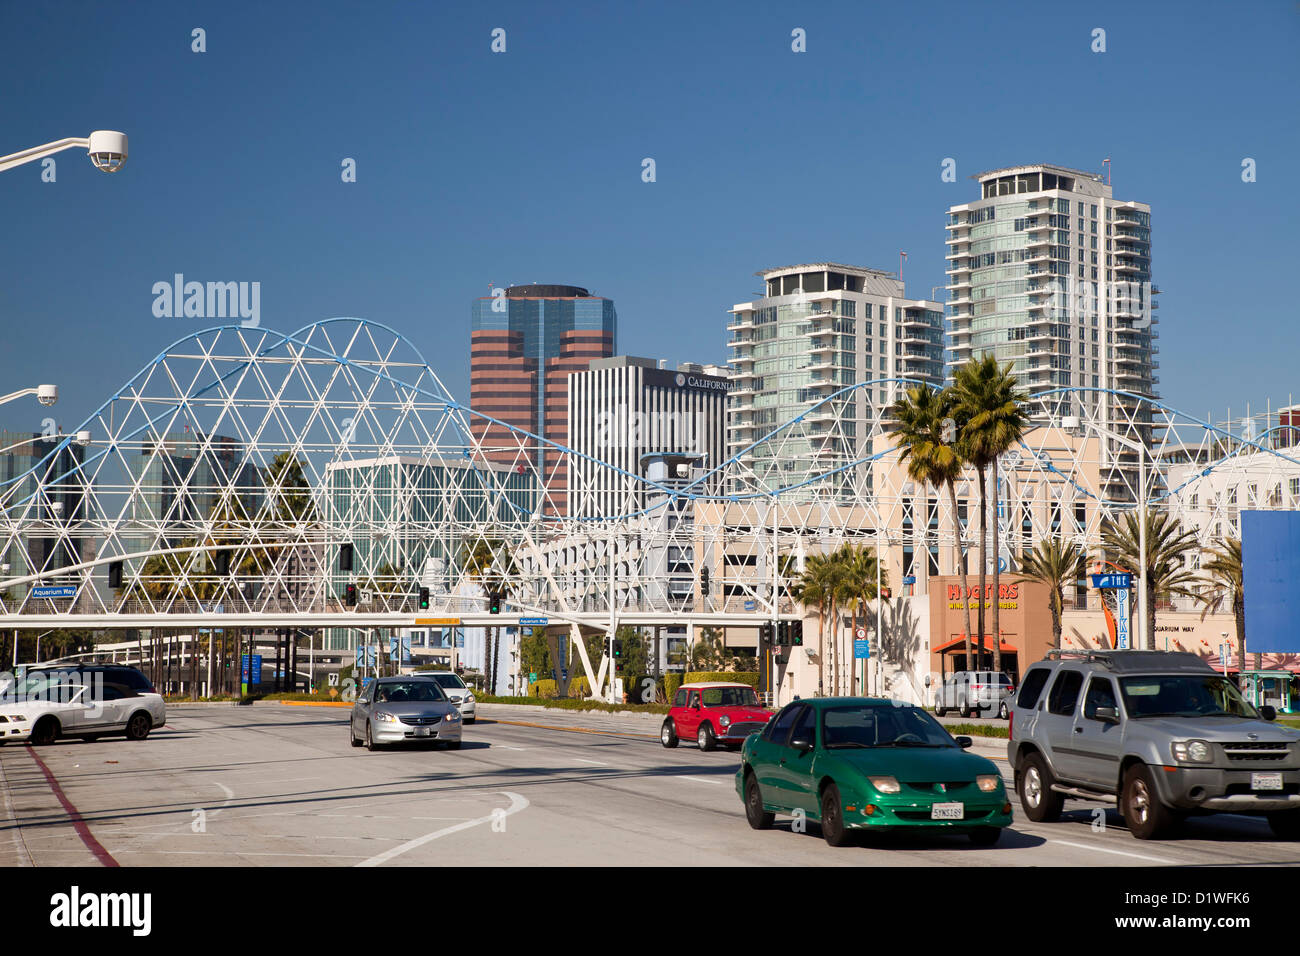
[[235, 470]]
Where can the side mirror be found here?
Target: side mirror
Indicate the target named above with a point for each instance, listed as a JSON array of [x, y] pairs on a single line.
[[1108, 714], [1268, 711], [964, 742], [802, 744]]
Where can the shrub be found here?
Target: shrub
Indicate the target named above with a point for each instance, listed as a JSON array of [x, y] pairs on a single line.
[[672, 681], [546, 689], [740, 677]]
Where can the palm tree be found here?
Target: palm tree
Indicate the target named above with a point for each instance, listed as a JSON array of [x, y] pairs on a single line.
[[1226, 584], [993, 416], [1168, 544], [813, 588], [1055, 564], [860, 584], [485, 560], [933, 459]]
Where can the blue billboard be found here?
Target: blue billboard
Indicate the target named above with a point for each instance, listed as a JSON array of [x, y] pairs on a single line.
[[1270, 571]]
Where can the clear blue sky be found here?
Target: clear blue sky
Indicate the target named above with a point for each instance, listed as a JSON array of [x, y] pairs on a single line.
[[477, 168]]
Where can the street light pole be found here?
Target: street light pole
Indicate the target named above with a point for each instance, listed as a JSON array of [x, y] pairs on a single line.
[[1145, 638], [107, 149]]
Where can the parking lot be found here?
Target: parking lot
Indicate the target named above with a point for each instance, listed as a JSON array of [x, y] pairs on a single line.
[[279, 785]]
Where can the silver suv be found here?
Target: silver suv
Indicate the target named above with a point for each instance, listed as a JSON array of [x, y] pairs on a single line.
[[1160, 734], [969, 691]]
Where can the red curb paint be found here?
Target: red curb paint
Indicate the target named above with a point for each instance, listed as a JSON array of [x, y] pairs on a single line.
[[94, 846]]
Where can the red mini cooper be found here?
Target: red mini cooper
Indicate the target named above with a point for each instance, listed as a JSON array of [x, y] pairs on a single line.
[[714, 713]]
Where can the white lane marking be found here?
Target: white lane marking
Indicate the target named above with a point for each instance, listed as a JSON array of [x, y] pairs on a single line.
[[517, 803], [504, 747], [597, 763], [697, 779], [1102, 849]]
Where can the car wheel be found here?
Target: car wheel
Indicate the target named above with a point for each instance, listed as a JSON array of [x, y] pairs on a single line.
[[370, 739], [705, 738], [1041, 803], [45, 732], [985, 836], [940, 711], [833, 829], [758, 818], [1003, 710], [1146, 816], [965, 711], [668, 733], [138, 727], [1285, 824]]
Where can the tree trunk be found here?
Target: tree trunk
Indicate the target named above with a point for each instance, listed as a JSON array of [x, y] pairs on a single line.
[[961, 567], [984, 565], [1057, 602], [1239, 612], [997, 578], [835, 641], [1151, 611], [821, 646], [853, 637]]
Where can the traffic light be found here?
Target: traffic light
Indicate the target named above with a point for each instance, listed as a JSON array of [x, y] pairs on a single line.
[[795, 634], [350, 595], [765, 633], [494, 602], [115, 574], [618, 654], [345, 557], [424, 599], [704, 581]]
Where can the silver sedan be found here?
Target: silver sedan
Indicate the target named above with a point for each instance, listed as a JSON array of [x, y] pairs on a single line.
[[397, 710]]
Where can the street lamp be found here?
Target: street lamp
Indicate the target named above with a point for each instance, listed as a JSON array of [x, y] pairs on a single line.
[[106, 147], [45, 394], [1145, 638]]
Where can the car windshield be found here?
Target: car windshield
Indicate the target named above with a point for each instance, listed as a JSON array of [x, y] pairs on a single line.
[[882, 725], [408, 692], [728, 697], [449, 680], [1184, 695]]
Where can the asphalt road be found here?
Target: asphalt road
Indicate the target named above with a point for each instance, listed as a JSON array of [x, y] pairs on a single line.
[[278, 785]]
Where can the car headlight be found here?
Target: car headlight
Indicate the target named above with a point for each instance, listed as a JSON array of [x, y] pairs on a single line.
[[1192, 751], [452, 716], [724, 720], [885, 784], [386, 718], [469, 699], [988, 782]]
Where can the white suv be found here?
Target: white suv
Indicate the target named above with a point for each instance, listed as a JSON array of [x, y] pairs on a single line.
[[456, 690], [89, 703]]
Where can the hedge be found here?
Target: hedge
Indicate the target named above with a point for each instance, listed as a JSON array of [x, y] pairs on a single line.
[[672, 681], [739, 677], [547, 689]]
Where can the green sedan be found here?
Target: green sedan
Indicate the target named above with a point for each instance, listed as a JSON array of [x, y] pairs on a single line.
[[854, 763]]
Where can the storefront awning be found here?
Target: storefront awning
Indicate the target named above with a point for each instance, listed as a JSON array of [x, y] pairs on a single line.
[[960, 644]]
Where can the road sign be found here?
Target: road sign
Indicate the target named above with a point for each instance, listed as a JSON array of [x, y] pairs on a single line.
[[1116, 580], [334, 679], [252, 675], [860, 634], [862, 650], [437, 622], [534, 621], [751, 605], [55, 591], [1121, 619], [910, 579]]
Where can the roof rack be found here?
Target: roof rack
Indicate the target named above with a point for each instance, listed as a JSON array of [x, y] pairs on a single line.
[[1060, 655]]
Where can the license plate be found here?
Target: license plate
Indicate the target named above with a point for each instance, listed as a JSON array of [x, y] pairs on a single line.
[[422, 731], [1266, 781], [947, 811]]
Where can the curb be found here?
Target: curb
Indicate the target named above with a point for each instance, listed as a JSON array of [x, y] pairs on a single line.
[[312, 703]]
